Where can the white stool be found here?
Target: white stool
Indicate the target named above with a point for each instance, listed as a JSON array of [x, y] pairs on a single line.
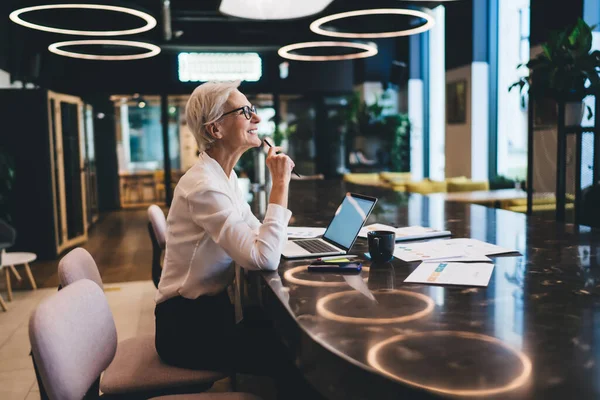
[[9, 260]]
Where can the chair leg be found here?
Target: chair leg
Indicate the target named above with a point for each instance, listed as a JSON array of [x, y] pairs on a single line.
[[30, 276], [8, 284], [3, 304], [17, 275]]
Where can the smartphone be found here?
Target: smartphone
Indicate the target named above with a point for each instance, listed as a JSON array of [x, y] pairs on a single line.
[[345, 268]]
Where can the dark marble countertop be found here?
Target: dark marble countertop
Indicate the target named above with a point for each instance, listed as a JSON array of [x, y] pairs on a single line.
[[530, 334]]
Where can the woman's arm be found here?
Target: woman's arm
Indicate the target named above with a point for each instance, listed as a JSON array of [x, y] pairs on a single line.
[[260, 249]]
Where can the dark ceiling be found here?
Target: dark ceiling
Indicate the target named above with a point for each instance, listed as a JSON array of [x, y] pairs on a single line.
[[194, 25], [197, 25]]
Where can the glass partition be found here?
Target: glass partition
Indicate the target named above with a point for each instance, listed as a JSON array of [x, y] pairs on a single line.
[[140, 147], [68, 161], [90, 166], [72, 169], [52, 107], [140, 152]]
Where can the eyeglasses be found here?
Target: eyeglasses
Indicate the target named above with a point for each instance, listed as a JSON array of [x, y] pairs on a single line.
[[247, 110]]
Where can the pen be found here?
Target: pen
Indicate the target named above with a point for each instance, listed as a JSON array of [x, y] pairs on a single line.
[[293, 170], [334, 257]]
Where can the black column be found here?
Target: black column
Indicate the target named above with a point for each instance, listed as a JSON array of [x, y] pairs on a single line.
[[164, 118]]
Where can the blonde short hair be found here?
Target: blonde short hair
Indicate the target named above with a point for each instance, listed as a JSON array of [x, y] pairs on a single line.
[[204, 107]]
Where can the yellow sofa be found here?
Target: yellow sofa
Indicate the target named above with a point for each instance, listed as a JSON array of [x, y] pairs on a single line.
[[540, 204], [537, 208], [467, 186], [396, 180], [400, 182], [426, 186], [395, 177], [464, 184], [366, 179]]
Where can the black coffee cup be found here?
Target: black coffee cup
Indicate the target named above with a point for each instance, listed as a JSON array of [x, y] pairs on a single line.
[[381, 245]]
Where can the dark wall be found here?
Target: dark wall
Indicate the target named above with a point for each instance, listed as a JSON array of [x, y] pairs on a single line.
[[5, 7], [379, 67], [27, 141], [331, 76], [459, 33], [159, 74], [550, 15]]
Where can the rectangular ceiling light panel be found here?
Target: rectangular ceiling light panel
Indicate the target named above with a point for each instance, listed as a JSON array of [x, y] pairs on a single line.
[[204, 67]]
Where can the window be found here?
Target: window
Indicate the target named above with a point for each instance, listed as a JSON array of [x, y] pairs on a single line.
[[524, 22], [513, 49]]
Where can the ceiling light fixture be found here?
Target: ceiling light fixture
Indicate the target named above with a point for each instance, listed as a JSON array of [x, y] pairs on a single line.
[[369, 50], [202, 67], [316, 25], [272, 9], [15, 16], [56, 48]]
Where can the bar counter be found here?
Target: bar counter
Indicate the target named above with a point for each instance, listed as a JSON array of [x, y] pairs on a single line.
[[530, 334]]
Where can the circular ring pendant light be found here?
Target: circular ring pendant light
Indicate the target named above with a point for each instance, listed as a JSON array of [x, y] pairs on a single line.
[[368, 50], [15, 16], [316, 26], [56, 48]]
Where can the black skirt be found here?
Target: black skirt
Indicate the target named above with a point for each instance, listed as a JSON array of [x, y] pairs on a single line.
[[202, 334]]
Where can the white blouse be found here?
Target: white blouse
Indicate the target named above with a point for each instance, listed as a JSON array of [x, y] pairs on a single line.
[[209, 225]]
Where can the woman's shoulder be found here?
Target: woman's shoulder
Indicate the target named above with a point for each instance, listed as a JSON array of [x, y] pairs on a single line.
[[199, 179]]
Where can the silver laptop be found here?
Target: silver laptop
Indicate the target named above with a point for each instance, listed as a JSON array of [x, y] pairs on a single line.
[[341, 232]]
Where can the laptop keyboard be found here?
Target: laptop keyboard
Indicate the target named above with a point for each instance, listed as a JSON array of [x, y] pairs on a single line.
[[316, 246]]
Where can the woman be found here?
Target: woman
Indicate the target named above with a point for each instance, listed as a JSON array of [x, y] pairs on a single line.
[[209, 226]]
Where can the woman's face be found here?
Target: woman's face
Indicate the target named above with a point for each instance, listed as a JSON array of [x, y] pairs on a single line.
[[239, 132]]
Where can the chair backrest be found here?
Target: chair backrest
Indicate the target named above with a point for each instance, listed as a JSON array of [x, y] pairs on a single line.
[[78, 264], [159, 224], [157, 229], [73, 339], [590, 198]]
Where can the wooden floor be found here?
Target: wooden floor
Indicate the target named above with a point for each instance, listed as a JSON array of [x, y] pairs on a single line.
[[120, 244]]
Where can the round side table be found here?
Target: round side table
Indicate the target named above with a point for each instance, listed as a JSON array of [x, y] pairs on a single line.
[[9, 261]]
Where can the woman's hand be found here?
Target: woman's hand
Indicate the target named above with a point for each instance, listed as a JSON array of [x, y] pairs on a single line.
[[280, 166]]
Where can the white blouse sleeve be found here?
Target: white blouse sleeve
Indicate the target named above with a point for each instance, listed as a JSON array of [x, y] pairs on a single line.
[[258, 249], [251, 219]]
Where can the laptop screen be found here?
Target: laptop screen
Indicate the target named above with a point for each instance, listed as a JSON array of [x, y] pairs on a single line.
[[349, 218]]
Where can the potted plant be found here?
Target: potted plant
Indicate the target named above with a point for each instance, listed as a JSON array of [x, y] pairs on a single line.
[[565, 71], [397, 131]]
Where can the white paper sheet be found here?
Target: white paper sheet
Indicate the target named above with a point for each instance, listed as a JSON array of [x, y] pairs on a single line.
[[406, 233], [451, 250], [477, 247], [304, 232], [477, 274], [426, 251]]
